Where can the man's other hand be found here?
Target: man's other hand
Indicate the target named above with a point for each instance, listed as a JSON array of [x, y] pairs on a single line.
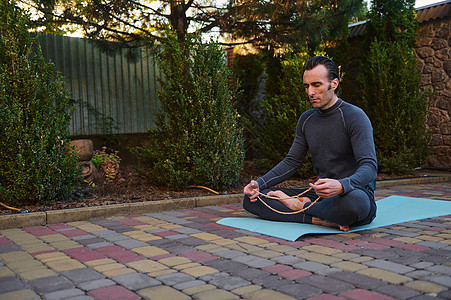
[[252, 190], [327, 188]]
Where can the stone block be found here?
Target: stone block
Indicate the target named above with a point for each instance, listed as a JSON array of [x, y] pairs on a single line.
[[389, 266], [19, 294], [64, 294], [294, 274], [349, 266], [384, 275], [65, 265], [270, 294], [300, 291], [358, 280], [136, 281], [424, 52], [82, 275], [146, 266], [113, 292], [50, 284], [175, 278], [397, 292], [327, 284], [363, 294], [188, 285], [11, 283], [96, 284], [438, 43], [36, 273], [162, 292], [199, 271], [425, 286], [149, 251], [254, 261]]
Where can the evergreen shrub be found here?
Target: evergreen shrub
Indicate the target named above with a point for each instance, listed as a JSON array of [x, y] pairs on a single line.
[[197, 138], [36, 164], [391, 88], [396, 107]]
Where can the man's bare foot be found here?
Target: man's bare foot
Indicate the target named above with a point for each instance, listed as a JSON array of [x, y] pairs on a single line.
[[318, 221], [344, 227], [292, 203]]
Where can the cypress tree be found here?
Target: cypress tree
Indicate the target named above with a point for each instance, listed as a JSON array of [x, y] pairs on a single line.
[[391, 88]]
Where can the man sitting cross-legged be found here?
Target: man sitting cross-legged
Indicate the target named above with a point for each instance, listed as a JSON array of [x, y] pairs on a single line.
[[339, 137]]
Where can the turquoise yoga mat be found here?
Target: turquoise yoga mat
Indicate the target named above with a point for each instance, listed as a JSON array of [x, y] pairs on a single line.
[[390, 210]]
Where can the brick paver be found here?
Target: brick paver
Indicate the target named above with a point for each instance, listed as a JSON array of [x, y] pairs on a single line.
[[184, 254]]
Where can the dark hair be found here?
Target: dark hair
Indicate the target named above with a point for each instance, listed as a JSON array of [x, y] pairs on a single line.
[[331, 67]]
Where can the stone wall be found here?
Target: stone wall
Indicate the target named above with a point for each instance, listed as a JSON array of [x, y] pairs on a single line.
[[433, 52]]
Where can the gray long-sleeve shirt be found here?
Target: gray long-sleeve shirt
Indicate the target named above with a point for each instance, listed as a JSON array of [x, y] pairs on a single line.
[[340, 140]]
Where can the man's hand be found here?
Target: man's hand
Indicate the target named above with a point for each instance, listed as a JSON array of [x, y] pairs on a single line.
[[327, 188], [252, 190]]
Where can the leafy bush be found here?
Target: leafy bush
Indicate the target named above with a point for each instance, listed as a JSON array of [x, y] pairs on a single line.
[[35, 164], [396, 107], [100, 156], [282, 113], [197, 139]]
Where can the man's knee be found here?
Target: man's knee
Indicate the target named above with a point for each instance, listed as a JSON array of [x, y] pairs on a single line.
[[356, 205], [246, 202], [250, 206], [353, 197]]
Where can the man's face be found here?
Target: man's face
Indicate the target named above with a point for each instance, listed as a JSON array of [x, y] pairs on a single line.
[[320, 90]]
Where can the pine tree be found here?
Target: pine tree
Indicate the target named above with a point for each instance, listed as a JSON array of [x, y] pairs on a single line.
[[275, 23], [286, 24]]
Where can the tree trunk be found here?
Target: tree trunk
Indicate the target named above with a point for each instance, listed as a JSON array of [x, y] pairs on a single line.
[[178, 19]]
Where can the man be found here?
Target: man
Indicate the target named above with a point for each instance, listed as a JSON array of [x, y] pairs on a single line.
[[340, 139]]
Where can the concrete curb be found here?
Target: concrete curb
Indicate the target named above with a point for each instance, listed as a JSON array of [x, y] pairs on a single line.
[[415, 180], [87, 213], [22, 220]]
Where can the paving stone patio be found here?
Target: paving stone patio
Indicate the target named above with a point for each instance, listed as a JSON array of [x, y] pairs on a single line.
[[184, 254]]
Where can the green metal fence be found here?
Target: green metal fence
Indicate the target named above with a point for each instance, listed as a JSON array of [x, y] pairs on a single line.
[[107, 83]]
